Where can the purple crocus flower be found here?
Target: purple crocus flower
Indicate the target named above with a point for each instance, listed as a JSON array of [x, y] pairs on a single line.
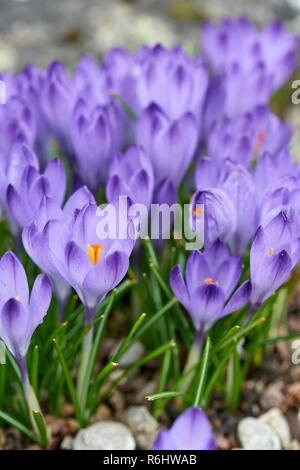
[[252, 64], [58, 101], [210, 278], [25, 197], [190, 431], [238, 185], [96, 135], [35, 238], [131, 174], [174, 81], [219, 214], [274, 252], [20, 315], [169, 144], [92, 266], [248, 136]]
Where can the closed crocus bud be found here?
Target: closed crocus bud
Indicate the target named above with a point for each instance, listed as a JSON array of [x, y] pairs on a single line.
[[210, 278], [219, 214], [174, 81], [274, 252], [170, 145], [24, 200], [20, 314], [131, 175], [58, 100], [35, 238], [190, 431], [96, 135]]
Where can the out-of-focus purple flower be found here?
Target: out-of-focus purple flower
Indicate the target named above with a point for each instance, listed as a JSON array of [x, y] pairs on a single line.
[[24, 199], [219, 214], [190, 431], [96, 136], [35, 238], [171, 79], [58, 100], [248, 136], [210, 278], [131, 174], [237, 183], [169, 144], [20, 315], [252, 63], [271, 169], [174, 81], [274, 252]]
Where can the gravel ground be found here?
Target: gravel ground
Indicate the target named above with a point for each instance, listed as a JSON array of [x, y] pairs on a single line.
[[43, 30]]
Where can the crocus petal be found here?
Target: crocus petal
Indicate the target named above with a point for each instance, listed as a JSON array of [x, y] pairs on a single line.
[[13, 280], [78, 200], [216, 253], [178, 286], [206, 304], [55, 174], [18, 206], [40, 299], [229, 273], [15, 322], [197, 270], [163, 441], [104, 276], [78, 264], [239, 298]]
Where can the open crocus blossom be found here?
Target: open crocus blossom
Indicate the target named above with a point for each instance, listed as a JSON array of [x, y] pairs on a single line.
[[274, 252], [35, 238], [20, 315], [210, 278], [190, 431], [93, 266]]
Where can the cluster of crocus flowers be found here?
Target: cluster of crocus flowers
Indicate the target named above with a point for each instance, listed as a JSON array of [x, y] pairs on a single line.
[[134, 126]]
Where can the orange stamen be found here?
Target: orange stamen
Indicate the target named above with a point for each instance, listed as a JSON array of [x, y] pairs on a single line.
[[271, 251], [198, 211], [208, 280], [94, 252]]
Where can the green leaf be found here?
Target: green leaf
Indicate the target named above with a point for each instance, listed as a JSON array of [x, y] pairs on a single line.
[[39, 420], [68, 378], [170, 394], [202, 372], [34, 368], [125, 106], [16, 424]]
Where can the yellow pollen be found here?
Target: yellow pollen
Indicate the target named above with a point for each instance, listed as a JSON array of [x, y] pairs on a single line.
[[18, 298], [271, 251], [198, 211], [208, 280], [94, 252]]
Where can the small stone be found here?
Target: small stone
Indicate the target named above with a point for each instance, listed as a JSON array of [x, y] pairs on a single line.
[[67, 410], [104, 435], [278, 422], [70, 426], [134, 354], [103, 412], [293, 392], [2, 438], [33, 447], [143, 426], [257, 435], [67, 443], [223, 442], [273, 396]]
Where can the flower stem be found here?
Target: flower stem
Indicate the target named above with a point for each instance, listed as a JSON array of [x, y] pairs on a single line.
[[86, 351], [193, 358]]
